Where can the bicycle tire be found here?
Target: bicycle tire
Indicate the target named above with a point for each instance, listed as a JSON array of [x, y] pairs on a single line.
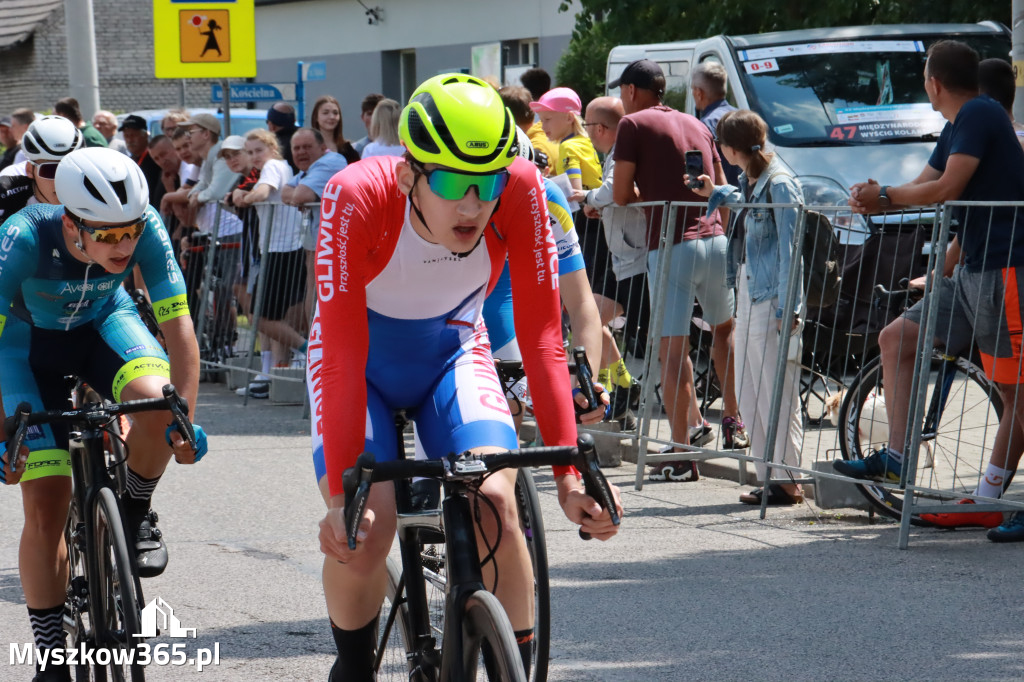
[[532, 523], [393, 640], [484, 621], [116, 601], [947, 462], [77, 624]]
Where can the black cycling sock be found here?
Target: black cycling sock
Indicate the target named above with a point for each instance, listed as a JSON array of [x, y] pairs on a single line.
[[524, 638], [140, 489], [357, 650], [48, 627]]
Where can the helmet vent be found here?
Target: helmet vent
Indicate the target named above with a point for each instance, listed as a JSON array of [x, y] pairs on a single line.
[[91, 188], [419, 134], [121, 191], [449, 81], [29, 145]]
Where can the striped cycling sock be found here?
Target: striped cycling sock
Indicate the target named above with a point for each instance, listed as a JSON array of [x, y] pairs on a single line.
[[48, 626], [140, 489]]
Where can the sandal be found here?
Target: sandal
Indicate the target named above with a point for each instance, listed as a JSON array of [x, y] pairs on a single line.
[[777, 495]]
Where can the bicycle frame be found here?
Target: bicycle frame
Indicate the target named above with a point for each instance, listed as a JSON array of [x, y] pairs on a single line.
[[89, 475], [463, 568]]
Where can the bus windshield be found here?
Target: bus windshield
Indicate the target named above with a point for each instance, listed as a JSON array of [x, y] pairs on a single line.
[[848, 92]]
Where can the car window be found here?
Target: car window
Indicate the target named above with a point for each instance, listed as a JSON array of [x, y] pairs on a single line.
[[851, 92]]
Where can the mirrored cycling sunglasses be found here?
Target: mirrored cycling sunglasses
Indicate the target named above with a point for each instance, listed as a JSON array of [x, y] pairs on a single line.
[[453, 185], [113, 234], [46, 171]]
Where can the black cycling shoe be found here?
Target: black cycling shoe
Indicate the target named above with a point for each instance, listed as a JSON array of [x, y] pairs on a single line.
[[53, 673], [150, 548]]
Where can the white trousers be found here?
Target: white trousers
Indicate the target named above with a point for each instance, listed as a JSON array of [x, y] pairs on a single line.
[[757, 351]]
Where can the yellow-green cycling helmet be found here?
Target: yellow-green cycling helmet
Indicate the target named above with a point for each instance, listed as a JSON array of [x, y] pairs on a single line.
[[459, 121]]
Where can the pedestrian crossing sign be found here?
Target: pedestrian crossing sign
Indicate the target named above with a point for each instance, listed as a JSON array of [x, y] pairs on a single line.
[[204, 38]]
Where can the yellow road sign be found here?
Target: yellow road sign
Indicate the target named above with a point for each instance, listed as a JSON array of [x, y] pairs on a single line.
[[204, 38]]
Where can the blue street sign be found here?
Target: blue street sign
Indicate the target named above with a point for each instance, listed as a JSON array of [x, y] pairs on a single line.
[[255, 92], [314, 71]]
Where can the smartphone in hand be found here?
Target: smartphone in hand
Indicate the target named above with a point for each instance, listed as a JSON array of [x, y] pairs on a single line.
[[695, 168]]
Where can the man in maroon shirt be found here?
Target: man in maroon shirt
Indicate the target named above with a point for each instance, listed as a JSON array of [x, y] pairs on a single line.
[[650, 151]]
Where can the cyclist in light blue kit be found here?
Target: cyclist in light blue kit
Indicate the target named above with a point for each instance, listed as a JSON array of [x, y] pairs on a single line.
[[63, 311]]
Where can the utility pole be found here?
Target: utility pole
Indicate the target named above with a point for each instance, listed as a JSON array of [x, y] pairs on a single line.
[[83, 75], [1017, 55]]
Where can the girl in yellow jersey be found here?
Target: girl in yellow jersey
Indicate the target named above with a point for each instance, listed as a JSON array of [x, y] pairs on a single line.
[[559, 111]]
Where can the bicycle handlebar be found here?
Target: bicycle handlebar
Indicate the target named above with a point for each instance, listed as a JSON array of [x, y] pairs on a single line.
[[358, 479], [895, 299], [16, 426]]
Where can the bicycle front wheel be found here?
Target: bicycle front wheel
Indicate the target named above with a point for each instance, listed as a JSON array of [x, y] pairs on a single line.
[[956, 443], [489, 644], [116, 606], [532, 523]]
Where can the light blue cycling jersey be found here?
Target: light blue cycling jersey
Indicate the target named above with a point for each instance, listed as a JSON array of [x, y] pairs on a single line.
[[498, 306], [42, 283]]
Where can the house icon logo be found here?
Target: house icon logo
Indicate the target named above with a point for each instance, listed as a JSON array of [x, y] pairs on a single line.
[[158, 616]]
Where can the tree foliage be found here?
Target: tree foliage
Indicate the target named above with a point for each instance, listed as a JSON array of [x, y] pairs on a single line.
[[602, 24]]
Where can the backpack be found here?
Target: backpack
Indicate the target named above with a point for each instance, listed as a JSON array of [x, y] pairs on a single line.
[[820, 252]]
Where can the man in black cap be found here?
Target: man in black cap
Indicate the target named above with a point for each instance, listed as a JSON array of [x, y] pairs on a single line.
[[136, 139], [650, 149]]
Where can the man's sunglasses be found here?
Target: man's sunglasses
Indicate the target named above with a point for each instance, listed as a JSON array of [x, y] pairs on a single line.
[[454, 185], [113, 234], [46, 171]]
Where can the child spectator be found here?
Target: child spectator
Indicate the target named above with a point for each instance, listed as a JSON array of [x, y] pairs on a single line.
[[559, 111]]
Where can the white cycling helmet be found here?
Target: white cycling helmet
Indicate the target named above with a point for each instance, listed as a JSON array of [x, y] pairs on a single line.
[[525, 146], [50, 138], [101, 184]]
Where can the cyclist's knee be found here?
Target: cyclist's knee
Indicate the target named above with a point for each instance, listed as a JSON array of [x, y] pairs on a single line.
[[500, 492], [46, 503], [898, 337]]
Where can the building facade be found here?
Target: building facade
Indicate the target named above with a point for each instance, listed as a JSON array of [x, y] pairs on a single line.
[[385, 46]]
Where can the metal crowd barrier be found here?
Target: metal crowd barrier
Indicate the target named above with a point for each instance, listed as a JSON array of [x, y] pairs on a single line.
[[251, 293], [834, 388]]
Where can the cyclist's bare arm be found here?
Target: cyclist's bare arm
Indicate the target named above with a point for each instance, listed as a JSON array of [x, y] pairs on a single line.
[[183, 354], [586, 325]]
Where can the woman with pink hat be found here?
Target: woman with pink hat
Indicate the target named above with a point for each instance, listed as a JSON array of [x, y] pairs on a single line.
[[559, 110]]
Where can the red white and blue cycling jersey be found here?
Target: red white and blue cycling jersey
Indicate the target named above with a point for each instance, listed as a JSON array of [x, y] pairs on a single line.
[[399, 323]]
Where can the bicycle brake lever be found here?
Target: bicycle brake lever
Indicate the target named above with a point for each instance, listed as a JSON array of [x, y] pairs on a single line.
[[594, 482], [586, 381], [178, 406], [356, 484], [17, 425]]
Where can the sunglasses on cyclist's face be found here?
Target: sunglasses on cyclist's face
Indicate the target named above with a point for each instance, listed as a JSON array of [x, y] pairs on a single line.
[[46, 171], [113, 234], [454, 185]]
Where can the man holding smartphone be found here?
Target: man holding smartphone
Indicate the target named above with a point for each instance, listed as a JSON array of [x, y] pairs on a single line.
[[653, 145]]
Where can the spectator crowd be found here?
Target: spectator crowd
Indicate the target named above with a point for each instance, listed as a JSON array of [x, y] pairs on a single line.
[[258, 196]]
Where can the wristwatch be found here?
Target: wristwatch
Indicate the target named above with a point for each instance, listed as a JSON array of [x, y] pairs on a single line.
[[883, 197]]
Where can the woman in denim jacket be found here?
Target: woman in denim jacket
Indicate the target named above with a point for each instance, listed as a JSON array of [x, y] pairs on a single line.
[[765, 237]]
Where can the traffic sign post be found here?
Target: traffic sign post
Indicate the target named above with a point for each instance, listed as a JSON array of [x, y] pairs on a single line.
[[307, 71], [204, 38]]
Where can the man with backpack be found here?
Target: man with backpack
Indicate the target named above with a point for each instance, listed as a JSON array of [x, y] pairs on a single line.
[[977, 158]]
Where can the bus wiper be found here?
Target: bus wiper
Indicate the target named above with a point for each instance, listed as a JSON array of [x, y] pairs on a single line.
[[825, 143], [926, 137]]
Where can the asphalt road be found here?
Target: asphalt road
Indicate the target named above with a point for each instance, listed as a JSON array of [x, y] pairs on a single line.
[[695, 587]]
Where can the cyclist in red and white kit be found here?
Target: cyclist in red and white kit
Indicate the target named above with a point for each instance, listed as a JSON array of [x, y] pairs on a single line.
[[408, 249]]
